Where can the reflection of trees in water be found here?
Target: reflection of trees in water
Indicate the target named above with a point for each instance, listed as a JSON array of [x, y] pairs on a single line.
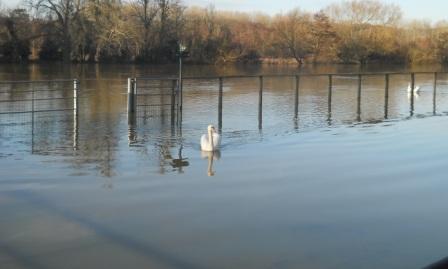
[[98, 144], [98, 121], [167, 159], [90, 140], [85, 143]]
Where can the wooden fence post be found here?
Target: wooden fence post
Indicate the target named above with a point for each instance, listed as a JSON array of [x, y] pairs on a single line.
[[296, 100], [220, 92], [386, 97], [260, 104]]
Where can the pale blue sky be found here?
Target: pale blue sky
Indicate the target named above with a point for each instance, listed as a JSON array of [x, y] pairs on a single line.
[[432, 10]]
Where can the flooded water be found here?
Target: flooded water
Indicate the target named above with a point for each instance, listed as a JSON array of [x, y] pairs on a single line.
[[335, 187]]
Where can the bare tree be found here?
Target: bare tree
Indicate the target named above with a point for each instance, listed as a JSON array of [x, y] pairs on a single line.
[[293, 34], [323, 35], [164, 8], [361, 24], [145, 11], [15, 35], [66, 12], [365, 12], [355, 31]]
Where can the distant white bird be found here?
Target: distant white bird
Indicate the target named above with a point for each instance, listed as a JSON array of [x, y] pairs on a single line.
[[210, 141], [416, 89]]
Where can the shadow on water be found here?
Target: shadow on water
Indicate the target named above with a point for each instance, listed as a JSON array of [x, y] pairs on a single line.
[[144, 249], [20, 257], [442, 264]]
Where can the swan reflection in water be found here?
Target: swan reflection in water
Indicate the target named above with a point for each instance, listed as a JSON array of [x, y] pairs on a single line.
[[416, 91], [211, 156]]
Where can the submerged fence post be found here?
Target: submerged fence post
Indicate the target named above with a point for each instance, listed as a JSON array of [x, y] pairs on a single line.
[[135, 95], [358, 111], [130, 86], [132, 90], [260, 104], [296, 100], [330, 86], [180, 85], [131, 95], [434, 93], [173, 101], [412, 93], [32, 119], [75, 96], [179, 99], [220, 104], [32, 99], [75, 114], [386, 97]]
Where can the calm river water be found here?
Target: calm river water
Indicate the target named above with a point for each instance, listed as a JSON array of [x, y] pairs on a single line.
[[328, 189]]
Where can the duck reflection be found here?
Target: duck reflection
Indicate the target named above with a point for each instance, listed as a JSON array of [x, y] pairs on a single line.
[[180, 162], [211, 156]]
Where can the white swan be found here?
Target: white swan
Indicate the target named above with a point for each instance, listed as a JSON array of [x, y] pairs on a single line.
[[210, 141], [416, 89]]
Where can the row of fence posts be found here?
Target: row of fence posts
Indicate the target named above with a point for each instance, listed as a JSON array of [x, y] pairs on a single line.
[[132, 95], [330, 96], [176, 90], [176, 86]]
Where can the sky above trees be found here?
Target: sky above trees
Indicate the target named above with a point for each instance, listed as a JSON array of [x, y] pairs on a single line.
[[431, 10]]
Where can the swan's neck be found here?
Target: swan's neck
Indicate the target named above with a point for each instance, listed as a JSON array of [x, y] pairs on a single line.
[[210, 138]]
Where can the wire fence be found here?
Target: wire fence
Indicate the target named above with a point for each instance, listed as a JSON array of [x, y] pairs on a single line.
[[236, 100], [38, 96], [32, 111], [153, 99], [270, 100]]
